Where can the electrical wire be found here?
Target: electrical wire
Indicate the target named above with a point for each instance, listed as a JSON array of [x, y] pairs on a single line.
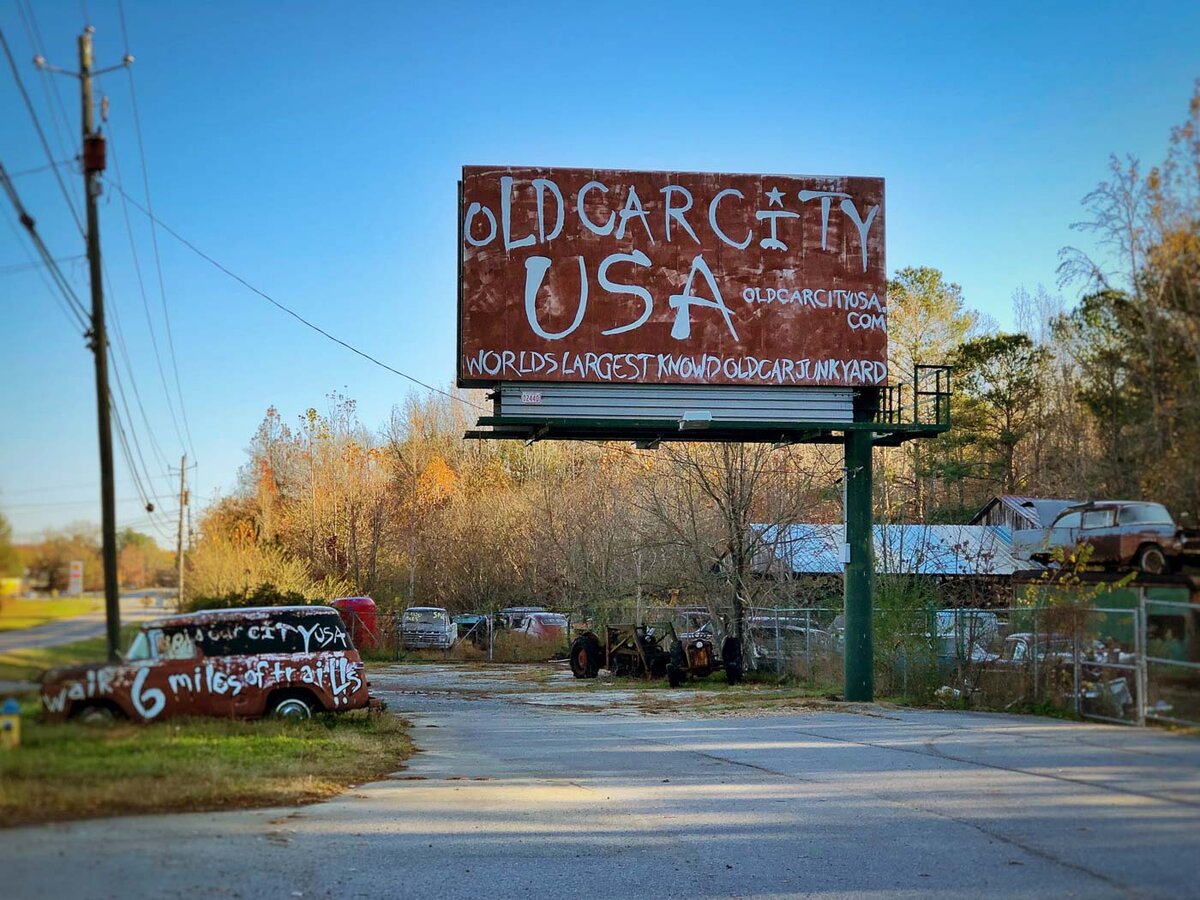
[[48, 81], [73, 317], [73, 303], [137, 268], [12, 63], [46, 168], [608, 446], [162, 289], [77, 487], [291, 312], [16, 268]]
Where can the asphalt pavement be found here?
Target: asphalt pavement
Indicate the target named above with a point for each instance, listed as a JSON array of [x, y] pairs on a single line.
[[524, 789]]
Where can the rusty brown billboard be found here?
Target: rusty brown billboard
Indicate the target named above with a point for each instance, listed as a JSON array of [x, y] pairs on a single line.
[[621, 277]]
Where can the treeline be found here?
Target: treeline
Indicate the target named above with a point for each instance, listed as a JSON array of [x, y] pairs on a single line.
[[1096, 400], [46, 563]]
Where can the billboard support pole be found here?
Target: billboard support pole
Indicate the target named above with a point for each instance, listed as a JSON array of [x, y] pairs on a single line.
[[860, 569]]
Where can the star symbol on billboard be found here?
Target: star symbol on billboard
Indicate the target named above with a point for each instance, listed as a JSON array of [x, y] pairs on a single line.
[[774, 195]]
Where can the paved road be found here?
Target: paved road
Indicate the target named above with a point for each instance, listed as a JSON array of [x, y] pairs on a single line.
[[522, 792], [78, 628]]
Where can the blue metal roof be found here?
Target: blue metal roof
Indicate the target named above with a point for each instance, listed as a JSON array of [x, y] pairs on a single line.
[[952, 550]]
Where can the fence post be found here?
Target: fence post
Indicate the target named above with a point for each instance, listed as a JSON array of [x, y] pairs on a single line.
[[1033, 653], [808, 643], [1077, 673], [778, 650], [1141, 681]]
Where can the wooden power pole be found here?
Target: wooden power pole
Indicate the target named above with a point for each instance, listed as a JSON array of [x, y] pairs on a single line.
[[93, 165], [183, 502]]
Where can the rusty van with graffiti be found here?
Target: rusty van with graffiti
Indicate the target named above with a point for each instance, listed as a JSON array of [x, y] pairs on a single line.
[[244, 663]]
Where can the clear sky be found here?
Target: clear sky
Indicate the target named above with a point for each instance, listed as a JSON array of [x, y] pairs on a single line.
[[314, 149]]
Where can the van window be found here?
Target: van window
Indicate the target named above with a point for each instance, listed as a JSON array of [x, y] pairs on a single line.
[[1068, 520], [1146, 514], [139, 649], [425, 616], [173, 643], [1099, 518]]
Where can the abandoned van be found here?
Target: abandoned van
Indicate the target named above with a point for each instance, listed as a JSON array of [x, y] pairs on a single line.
[[286, 661]]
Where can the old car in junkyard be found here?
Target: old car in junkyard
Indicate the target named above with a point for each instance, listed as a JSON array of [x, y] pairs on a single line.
[[775, 641], [427, 628], [288, 661], [1106, 671], [1121, 533]]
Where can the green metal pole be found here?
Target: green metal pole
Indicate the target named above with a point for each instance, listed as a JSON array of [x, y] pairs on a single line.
[[860, 569]]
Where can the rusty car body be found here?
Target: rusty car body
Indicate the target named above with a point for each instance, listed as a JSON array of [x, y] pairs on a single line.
[[1121, 533], [243, 663]]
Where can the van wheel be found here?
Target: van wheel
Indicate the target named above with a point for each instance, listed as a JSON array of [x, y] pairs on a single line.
[[1152, 560], [292, 707], [96, 714]]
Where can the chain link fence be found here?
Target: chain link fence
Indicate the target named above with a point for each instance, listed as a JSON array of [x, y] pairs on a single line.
[[1113, 664]]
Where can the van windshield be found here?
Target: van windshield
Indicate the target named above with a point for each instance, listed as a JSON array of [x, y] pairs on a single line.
[[426, 616]]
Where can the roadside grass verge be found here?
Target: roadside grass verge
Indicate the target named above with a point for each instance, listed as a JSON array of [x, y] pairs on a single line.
[[18, 613], [28, 665], [76, 771]]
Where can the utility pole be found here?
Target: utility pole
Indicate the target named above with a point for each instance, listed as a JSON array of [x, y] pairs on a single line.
[[93, 165], [859, 662], [183, 502]]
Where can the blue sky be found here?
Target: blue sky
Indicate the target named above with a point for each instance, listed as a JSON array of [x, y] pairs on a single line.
[[314, 149]]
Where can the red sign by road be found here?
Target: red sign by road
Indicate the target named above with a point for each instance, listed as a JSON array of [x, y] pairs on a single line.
[[603, 276]]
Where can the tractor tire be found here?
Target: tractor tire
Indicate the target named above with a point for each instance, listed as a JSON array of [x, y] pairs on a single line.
[[733, 672], [585, 656], [1152, 560], [675, 676]]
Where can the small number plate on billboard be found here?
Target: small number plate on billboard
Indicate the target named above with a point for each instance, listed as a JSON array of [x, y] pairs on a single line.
[[619, 277]]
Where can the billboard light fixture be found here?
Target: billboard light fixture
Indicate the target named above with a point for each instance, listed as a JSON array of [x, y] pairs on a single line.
[[695, 420]]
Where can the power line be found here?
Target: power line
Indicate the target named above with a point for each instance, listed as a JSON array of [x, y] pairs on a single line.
[[41, 134], [79, 486], [46, 168], [291, 312], [14, 268], [295, 315], [73, 302], [162, 288], [73, 316], [48, 82], [137, 268], [82, 501]]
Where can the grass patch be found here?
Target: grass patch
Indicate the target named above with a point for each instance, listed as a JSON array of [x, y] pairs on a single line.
[[76, 771], [17, 613]]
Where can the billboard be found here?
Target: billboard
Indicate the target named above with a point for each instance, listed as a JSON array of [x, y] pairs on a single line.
[[621, 277]]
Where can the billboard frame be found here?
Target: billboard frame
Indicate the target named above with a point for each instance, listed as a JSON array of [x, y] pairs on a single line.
[[881, 416]]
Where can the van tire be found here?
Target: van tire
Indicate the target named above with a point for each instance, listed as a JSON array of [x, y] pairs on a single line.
[[292, 705], [1152, 560], [97, 713]]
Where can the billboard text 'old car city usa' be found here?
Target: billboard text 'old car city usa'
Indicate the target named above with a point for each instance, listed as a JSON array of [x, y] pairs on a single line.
[[616, 277]]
